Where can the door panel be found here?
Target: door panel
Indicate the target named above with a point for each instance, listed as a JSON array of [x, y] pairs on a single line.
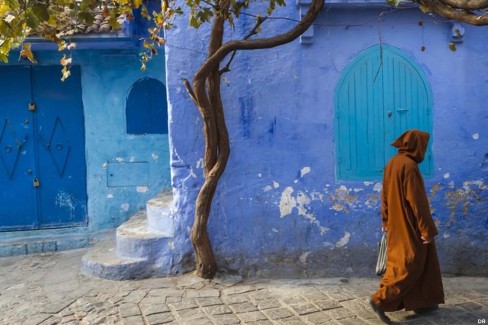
[[18, 208], [61, 157], [407, 102], [359, 117]]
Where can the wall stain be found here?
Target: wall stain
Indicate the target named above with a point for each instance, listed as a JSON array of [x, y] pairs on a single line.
[[342, 199], [459, 199]]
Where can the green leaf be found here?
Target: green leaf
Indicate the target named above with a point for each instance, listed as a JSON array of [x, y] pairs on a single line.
[[5, 30], [147, 44], [31, 19], [113, 22], [194, 22], [3, 58], [393, 3], [137, 3], [86, 17], [41, 12], [424, 9], [145, 13]]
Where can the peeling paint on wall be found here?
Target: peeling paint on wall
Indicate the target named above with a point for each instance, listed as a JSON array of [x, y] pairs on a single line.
[[301, 202], [200, 163], [378, 187], [304, 171], [341, 199], [303, 257], [344, 240], [373, 201], [142, 189], [287, 202], [125, 206], [65, 200], [458, 200]]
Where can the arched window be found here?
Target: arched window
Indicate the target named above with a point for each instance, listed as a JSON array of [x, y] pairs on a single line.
[[381, 94], [146, 108]]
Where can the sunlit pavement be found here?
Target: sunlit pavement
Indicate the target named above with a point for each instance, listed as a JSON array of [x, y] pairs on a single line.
[[49, 289]]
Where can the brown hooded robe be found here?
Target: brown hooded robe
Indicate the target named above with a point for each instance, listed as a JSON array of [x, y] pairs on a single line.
[[413, 278]]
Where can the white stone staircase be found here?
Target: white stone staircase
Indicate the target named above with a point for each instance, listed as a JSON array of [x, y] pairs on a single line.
[[142, 246]]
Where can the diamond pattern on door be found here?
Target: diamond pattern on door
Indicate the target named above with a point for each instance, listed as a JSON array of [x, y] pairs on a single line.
[[10, 147], [42, 149], [59, 146]]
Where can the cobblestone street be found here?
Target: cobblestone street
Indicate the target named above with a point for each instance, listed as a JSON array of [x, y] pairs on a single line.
[[49, 289]]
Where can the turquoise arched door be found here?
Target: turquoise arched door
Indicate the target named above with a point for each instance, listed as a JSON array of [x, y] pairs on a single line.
[[382, 93]]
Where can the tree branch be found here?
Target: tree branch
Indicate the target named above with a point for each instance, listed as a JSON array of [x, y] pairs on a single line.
[[462, 15], [466, 4], [254, 31], [261, 43], [189, 90]]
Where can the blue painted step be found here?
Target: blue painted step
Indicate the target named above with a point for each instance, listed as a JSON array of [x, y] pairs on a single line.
[[141, 248]]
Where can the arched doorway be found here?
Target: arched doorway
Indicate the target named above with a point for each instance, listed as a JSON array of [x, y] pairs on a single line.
[[381, 94]]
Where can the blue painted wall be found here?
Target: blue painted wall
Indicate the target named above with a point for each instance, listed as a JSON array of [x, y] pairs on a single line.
[[279, 207], [123, 170]]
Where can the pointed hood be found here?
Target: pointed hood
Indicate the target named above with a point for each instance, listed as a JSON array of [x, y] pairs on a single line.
[[413, 143]]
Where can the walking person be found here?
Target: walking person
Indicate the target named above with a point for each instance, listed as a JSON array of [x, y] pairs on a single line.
[[412, 280]]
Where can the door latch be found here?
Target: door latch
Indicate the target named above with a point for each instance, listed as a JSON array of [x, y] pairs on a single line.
[[35, 182], [32, 106]]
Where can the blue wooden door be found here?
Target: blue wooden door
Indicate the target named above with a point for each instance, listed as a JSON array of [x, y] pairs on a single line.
[[18, 203], [50, 172], [381, 94]]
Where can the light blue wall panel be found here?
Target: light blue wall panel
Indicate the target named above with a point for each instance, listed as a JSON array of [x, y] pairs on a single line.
[[106, 79]]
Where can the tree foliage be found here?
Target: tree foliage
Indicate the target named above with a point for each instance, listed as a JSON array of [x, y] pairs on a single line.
[[59, 20]]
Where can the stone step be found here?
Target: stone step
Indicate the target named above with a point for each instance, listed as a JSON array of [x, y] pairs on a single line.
[[159, 213], [135, 240], [138, 249], [101, 261]]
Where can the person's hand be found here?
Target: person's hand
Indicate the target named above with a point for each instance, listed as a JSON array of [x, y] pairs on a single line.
[[426, 240], [383, 229]]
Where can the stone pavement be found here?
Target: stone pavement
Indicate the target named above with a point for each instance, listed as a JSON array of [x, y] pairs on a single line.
[[49, 289]]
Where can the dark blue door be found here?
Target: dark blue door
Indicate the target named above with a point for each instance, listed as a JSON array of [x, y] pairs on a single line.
[[18, 204], [42, 149]]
